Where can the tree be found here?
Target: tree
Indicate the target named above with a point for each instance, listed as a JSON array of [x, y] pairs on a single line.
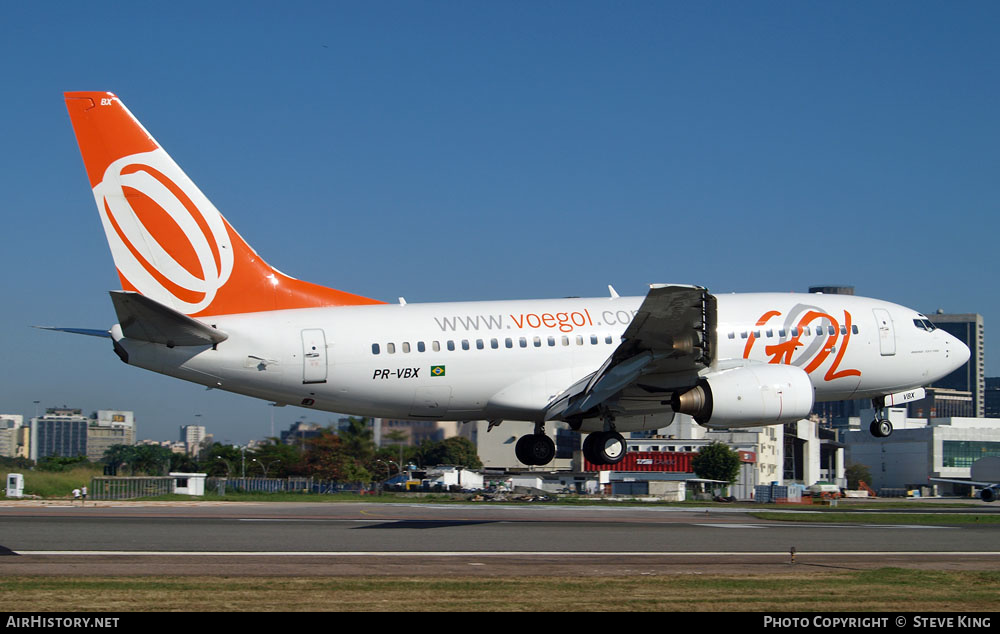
[[222, 460], [717, 462], [856, 473], [151, 460], [279, 460], [328, 457], [456, 451]]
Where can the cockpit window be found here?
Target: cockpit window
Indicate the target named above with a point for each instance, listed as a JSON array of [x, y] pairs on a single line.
[[924, 324]]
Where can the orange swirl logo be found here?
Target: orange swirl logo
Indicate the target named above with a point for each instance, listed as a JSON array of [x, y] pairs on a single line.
[[168, 240], [831, 338]]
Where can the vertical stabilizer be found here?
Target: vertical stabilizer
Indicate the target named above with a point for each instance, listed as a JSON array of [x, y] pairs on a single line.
[[169, 242]]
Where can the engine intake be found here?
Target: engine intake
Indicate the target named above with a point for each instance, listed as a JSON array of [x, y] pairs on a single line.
[[748, 396]]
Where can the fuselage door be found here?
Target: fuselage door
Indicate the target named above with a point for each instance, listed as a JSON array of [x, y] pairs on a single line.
[[313, 356], [886, 334]]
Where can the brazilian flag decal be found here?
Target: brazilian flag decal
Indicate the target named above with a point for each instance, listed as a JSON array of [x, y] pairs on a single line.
[[437, 370]]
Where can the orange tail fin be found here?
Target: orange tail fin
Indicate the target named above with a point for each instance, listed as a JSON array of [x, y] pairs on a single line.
[[168, 241]]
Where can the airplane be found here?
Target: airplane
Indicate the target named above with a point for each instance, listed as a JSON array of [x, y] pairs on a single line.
[[199, 304], [984, 473]]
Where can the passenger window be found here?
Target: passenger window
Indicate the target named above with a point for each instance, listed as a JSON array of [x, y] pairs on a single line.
[[579, 340], [451, 345], [537, 341], [479, 344], [406, 347], [375, 349], [465, 344], [494, 344], [436, 346], [608, 339], [421, 347], [390, 348], [593, 340], [552, 341], [854, 329], [508, 342], [523, 342], [843, 329], [732, 335]]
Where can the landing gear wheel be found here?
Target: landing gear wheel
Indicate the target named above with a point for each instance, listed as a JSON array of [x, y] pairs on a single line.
[[880, 428], [588, 448], [606, 447], [535, 449]]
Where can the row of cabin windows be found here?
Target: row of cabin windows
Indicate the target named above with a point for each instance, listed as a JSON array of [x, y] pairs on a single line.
[[818, 331], [494, 344]]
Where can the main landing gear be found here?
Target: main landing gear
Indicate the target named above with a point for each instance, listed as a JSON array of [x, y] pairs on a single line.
[[604, 447], [535, 449]]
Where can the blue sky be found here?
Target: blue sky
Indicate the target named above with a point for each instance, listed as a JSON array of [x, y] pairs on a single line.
[[448, 151]]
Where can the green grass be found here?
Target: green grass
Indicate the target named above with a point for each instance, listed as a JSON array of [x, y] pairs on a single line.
[[59, 484], [804, 590], [825, 517]]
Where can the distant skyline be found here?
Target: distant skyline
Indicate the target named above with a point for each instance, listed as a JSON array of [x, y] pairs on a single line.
[[445, 151]]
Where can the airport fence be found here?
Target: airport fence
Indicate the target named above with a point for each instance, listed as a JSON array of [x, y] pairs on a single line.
[[127, 488], [284, 485]]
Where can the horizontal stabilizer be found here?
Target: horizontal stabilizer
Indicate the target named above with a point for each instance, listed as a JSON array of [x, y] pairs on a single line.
[[148, 320], [79, 331]]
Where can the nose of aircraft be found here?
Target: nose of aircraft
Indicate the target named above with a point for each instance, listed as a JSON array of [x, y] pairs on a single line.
[[957, 353]]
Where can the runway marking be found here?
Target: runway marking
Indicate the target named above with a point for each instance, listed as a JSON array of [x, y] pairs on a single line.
[[497, 553], [733, 525]]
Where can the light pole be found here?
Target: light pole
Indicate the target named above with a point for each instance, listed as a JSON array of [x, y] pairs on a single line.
[[265, 466]]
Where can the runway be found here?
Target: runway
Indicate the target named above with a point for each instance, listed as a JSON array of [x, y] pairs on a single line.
[[448, 539]]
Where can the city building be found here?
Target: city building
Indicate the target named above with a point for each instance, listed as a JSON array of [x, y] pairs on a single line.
[[923, 449], [10, 434], [970, 329], [192, 436], [109, 428], [60, 432], [388, 432], [992, 397], [300, 432], [942, 402]]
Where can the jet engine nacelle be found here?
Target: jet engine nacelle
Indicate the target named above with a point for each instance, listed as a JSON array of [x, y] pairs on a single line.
[[988, 495], [748, 396]]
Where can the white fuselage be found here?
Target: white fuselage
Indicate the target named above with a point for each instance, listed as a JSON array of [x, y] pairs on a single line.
[[509, 359]]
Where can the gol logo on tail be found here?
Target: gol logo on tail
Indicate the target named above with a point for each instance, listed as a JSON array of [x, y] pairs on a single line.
[[168, 240]]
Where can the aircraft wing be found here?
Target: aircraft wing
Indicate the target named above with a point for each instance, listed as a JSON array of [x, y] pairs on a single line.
[[668, 341], [969, 482]]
